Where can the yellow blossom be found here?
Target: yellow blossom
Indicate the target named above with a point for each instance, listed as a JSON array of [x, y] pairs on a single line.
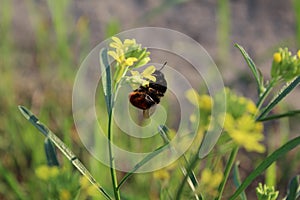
[[205, 102], [64, 194], [84, 182], [245, 132], [298, 53], [92, 191], [45, 172], [277, 57], [130, 61], [210, 181], [162, 175]]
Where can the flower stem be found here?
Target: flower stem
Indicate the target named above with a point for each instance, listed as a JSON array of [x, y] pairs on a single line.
[[227, 171], [266, 93], [111, 159]]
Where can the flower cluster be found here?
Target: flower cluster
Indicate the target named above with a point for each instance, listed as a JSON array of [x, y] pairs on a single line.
[[240, 122], [87, 189], [285, 65], [210, 181], [127, 54], [136, 79], [265, 192]]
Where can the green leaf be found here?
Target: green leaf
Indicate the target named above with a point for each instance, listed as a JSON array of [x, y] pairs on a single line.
[[237, 180], [278, 116], [142, 162], [284, 91], [255, 71], [50, 153], [294, 188], [265, 164], [106, 78]]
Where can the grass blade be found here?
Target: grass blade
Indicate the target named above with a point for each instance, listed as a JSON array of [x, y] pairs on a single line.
[[294, 188], [265, 164], [141, 163], [237, 180], [62, 147], [50, 153], [106, 78], [255, 71], [12, 182], [278, 116], [284, 91]]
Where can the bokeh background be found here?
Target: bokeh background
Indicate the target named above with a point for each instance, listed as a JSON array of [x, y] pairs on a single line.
[[42, 44]]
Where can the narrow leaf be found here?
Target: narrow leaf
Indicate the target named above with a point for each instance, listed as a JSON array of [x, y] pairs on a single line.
[[237, 180], [284, 91], [265, 164], [255, 71], [294, 188], [106, 78], [278, 116], [50, 153]]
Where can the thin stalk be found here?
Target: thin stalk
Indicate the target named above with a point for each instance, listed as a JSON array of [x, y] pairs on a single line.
[[111, 159], [265, 94], [227, 171]]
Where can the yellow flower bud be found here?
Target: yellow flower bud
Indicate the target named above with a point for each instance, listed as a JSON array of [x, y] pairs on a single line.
[[277, 57], [298, 53], [64, 194]]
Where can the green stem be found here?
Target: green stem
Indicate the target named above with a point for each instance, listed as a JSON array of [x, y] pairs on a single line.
[[265, 94], [227, 171], [111, 159]]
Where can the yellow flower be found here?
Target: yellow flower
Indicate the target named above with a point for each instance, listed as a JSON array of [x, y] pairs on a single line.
[[205, 102], [245, 132], [84, 182], [92, 191], [45, 172], [64, 194], [298, 53], [210, 181], [130, 61], [162, 174], [202, 101], [277, 57], [251, 107]]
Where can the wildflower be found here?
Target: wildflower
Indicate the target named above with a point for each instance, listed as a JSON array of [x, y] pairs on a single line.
[[64, 194], [45, 172], [210, 182], [240, 122], [245, 132], [265, 192], [127, 54], [202, 101], [285, 65], [136, 79], [164, 174], [87, 187]]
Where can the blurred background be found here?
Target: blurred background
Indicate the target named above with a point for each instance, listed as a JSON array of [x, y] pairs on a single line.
[[42, 44]]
